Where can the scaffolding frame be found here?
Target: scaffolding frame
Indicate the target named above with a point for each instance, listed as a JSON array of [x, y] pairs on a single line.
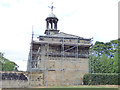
[[75, 47]]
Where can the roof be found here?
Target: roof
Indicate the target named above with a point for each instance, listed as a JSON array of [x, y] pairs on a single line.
[[64, 35]]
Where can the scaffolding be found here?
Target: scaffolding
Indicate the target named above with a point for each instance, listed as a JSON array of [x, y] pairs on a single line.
[[59, 63]]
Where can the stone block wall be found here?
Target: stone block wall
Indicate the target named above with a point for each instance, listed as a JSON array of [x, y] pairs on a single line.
[[67, 72], [14, 84]]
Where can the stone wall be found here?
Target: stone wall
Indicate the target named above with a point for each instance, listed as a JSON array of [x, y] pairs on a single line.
[[67, 72], [66, 78], [36, 79], [14, 84], [13, 79], [66, 63]]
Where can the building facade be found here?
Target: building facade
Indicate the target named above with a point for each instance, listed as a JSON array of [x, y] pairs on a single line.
[[57, 58]]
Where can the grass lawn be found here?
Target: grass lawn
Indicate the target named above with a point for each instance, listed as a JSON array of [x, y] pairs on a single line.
[[87, 86]]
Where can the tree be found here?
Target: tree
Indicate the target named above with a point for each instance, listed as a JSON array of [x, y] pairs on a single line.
[[7, 65], [104, 57]]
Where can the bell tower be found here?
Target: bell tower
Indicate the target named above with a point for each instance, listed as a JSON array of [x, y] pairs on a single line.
[[51, 23]]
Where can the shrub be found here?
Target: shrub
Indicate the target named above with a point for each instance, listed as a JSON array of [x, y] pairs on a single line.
[[101, 79]]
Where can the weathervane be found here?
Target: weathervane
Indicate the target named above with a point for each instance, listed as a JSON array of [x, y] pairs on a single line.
[[51, 7]]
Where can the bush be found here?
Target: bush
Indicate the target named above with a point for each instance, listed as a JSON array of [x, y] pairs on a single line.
[[101, 79]]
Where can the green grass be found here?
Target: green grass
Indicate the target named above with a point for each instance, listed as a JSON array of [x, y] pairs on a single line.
[[80, 87]]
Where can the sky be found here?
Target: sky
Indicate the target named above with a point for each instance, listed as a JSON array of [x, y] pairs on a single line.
[[97, 19]]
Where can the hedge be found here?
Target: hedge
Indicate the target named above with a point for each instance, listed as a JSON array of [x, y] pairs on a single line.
[[101, 79]]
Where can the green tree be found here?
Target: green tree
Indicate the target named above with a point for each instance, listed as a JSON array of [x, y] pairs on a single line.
[[116, 59], [7, 65], [104, 57]]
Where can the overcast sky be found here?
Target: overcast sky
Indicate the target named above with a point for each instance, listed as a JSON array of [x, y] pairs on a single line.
[[85, 18]]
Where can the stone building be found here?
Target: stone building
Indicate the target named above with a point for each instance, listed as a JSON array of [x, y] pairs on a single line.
[[58, 58]]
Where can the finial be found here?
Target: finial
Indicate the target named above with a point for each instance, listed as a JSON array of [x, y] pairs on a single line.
[[51, 7]]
